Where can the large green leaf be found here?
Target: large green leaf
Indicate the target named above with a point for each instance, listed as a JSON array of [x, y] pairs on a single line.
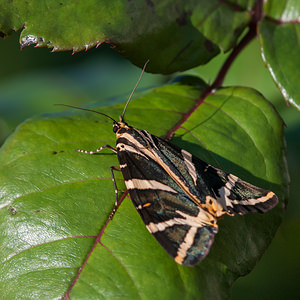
[[174, 35], [279, 36], [55, 201]]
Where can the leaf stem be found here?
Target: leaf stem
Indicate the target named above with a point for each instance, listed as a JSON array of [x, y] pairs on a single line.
[[251, 34], [97, 241]]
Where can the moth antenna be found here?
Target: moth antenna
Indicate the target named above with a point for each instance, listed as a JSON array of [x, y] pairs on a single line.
[[143, 70], [97, 112]]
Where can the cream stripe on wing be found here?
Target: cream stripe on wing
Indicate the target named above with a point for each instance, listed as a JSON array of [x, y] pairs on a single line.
[[155, 227], [144, 184], [131, 139], [225, 191], [254, 201], [186, 245], [147, 137], [189, 164], [124, 147], [202, 219]]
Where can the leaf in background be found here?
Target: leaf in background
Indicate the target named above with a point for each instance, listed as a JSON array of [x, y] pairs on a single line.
[[174, 35], [279, 37], [54, 201]]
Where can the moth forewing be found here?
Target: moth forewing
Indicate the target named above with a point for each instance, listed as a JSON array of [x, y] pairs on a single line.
[[179, 196]]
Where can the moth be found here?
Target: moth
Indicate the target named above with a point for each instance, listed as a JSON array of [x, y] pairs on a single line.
[[178, 196]]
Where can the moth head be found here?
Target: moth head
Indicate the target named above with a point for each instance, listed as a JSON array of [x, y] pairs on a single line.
[[118, 125]]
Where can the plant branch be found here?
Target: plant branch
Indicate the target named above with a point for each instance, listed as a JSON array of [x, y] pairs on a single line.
[[251, 34]]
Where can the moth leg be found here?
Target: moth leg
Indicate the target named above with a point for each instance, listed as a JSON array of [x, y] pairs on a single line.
[[112, 169], [98, 150]]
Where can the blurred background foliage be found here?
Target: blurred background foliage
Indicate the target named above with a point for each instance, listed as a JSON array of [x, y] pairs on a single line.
[[32, 80]]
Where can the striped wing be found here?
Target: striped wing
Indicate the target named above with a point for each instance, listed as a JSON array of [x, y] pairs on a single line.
[[185, 230], [232, 195], [220, 192], [180, 197]]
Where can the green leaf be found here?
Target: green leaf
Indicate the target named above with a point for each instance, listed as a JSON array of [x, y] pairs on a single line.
[[279, 37], [54, 201], [285, 10], [174, 35]]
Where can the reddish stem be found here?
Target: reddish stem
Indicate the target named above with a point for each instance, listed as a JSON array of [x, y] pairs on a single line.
[[97, 240], [251, 34]]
